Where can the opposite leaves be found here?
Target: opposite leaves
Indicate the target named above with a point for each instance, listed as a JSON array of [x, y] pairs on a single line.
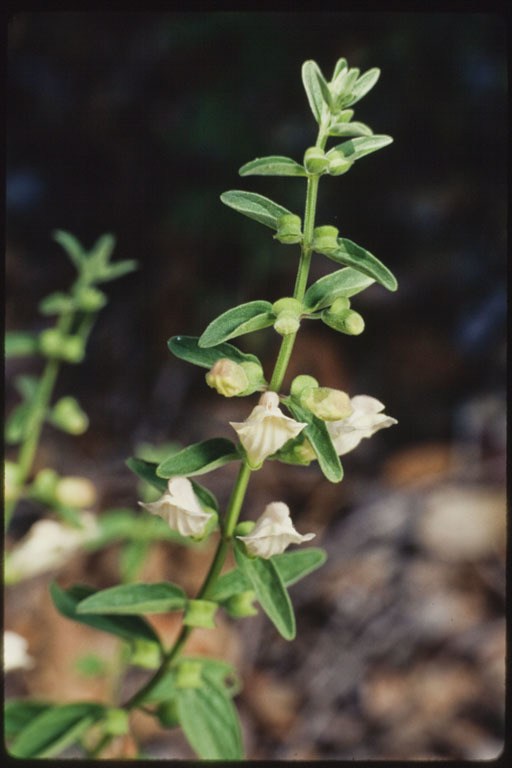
[[274, 165], [252, 316], [254, 206]]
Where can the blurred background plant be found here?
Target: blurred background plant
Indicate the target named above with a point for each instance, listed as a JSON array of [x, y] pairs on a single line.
[[141, 136]]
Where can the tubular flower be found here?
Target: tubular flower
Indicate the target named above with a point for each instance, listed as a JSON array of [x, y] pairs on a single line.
[[180, 508], [273, 532], [366, 419], [266, 429]]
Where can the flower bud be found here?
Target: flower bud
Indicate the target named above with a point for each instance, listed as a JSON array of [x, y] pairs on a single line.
[[240, 605], [227, 377], [289, 229], [90, 299], [73, 349], [51, 342], [348, 322], [337, 163], [75, 492], [145, 653], [339, 305], [302, 382], [242, 529], [67, 415], [167, 714], [45, 485], [200, 613], [116, 722], [287, 322], [315, 160], [189, 673], [326, 403], [324, 238]]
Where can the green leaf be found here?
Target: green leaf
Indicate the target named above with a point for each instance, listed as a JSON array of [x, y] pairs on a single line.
[[27, 386], [55, 729], [18, 713], [210, 722], [21, 343], [254, 206], [245, 318], [146, 470], [199, 458], [341, 64], [135, 598], [230, 583], [320, 440], [343, 283], [72, 246], [16, 426], [354, 149], [316, 88], [56, 304], [349, 129], [113, 271], [364, 84], [127, 627], [270, 591], [187, 348], [359, 258], [218, 672], [275, 165]]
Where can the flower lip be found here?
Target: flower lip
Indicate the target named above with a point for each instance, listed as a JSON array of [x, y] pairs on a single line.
[[180, 508], [266, 429], [273, 532], [365, 419]]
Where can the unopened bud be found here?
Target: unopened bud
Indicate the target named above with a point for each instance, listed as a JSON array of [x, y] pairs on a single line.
[[145, 653], [189, 674], [339, 305], [116, 722], [45, 485], [325, 238], [90, 299], [244, 528], [348, 322], [315, 160], [67, 415], [289, 229], [337, 163], [200, 613], [227, 377], [240, 605], [300, 383], [73, 349], [75, 492], [326, 403], [51, 342], [287, 322]]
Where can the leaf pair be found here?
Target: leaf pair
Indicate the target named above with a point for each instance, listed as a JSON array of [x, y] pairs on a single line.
[[363, 261], [94, 266]]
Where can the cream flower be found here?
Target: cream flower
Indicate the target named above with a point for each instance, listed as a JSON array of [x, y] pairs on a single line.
[[273, 532], [47, 546], [15, 652], [366, 419], [180, 508], [266, 429]]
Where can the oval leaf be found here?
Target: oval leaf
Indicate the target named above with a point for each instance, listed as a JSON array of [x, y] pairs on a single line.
[[16, 426], [210, 722], [354, 256], [199, 458], [72, 247], [21, 343], [56, 304], [242, 319], [350, 129], [364, 84], [18, 713], [187, 348], [55, 729], [254, 206], [320, 440], [293, 566], [127, 627], [275, 165], [357, 148], [270, 591], [343, 283], [135, 598], [316, 88]]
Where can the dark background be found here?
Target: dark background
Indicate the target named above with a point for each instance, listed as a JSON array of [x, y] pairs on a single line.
[[135, 123]]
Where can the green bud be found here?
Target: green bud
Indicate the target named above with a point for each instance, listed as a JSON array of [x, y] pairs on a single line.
[[326, 403], [240, 605], [255, 377], [67, 414], [73, 349], [200, 613], [287, 322], [90, 299], [300, 383], [227, 377], [348, 322], [289, 229], [244, 528], [338, 163], [189, 674], [288, 303], [44, 486], [116, 722], [325, 238], [145, 653], [339, 305], [51, 342], [315, 160], [167, 714]]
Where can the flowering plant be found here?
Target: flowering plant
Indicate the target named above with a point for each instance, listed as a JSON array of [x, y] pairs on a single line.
[[323, 424]]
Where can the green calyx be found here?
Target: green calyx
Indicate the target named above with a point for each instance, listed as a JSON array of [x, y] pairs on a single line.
[[325, 238], [338, 164], [288, 312], [89, 299], [167, 714], [67, 415], [189, 673], [200, 613], [347, 321], [55, 344], [244, 528], [145, 653], [315, 160], [240, 605], [300, 383], [339, 305], [44, 486], [289, 229], [116, 722]]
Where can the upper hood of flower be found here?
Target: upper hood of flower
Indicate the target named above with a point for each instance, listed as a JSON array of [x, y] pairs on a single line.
[[366, 419], [273, 532], [180, 508], [266, 429]]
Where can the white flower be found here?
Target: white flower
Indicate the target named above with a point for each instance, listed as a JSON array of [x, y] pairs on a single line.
[[273, 532], [180, 508], [366, 419], [48, 545], [266, 429], [15, 652]]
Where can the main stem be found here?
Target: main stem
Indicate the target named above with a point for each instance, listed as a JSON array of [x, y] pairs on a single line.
[[240, 487]]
